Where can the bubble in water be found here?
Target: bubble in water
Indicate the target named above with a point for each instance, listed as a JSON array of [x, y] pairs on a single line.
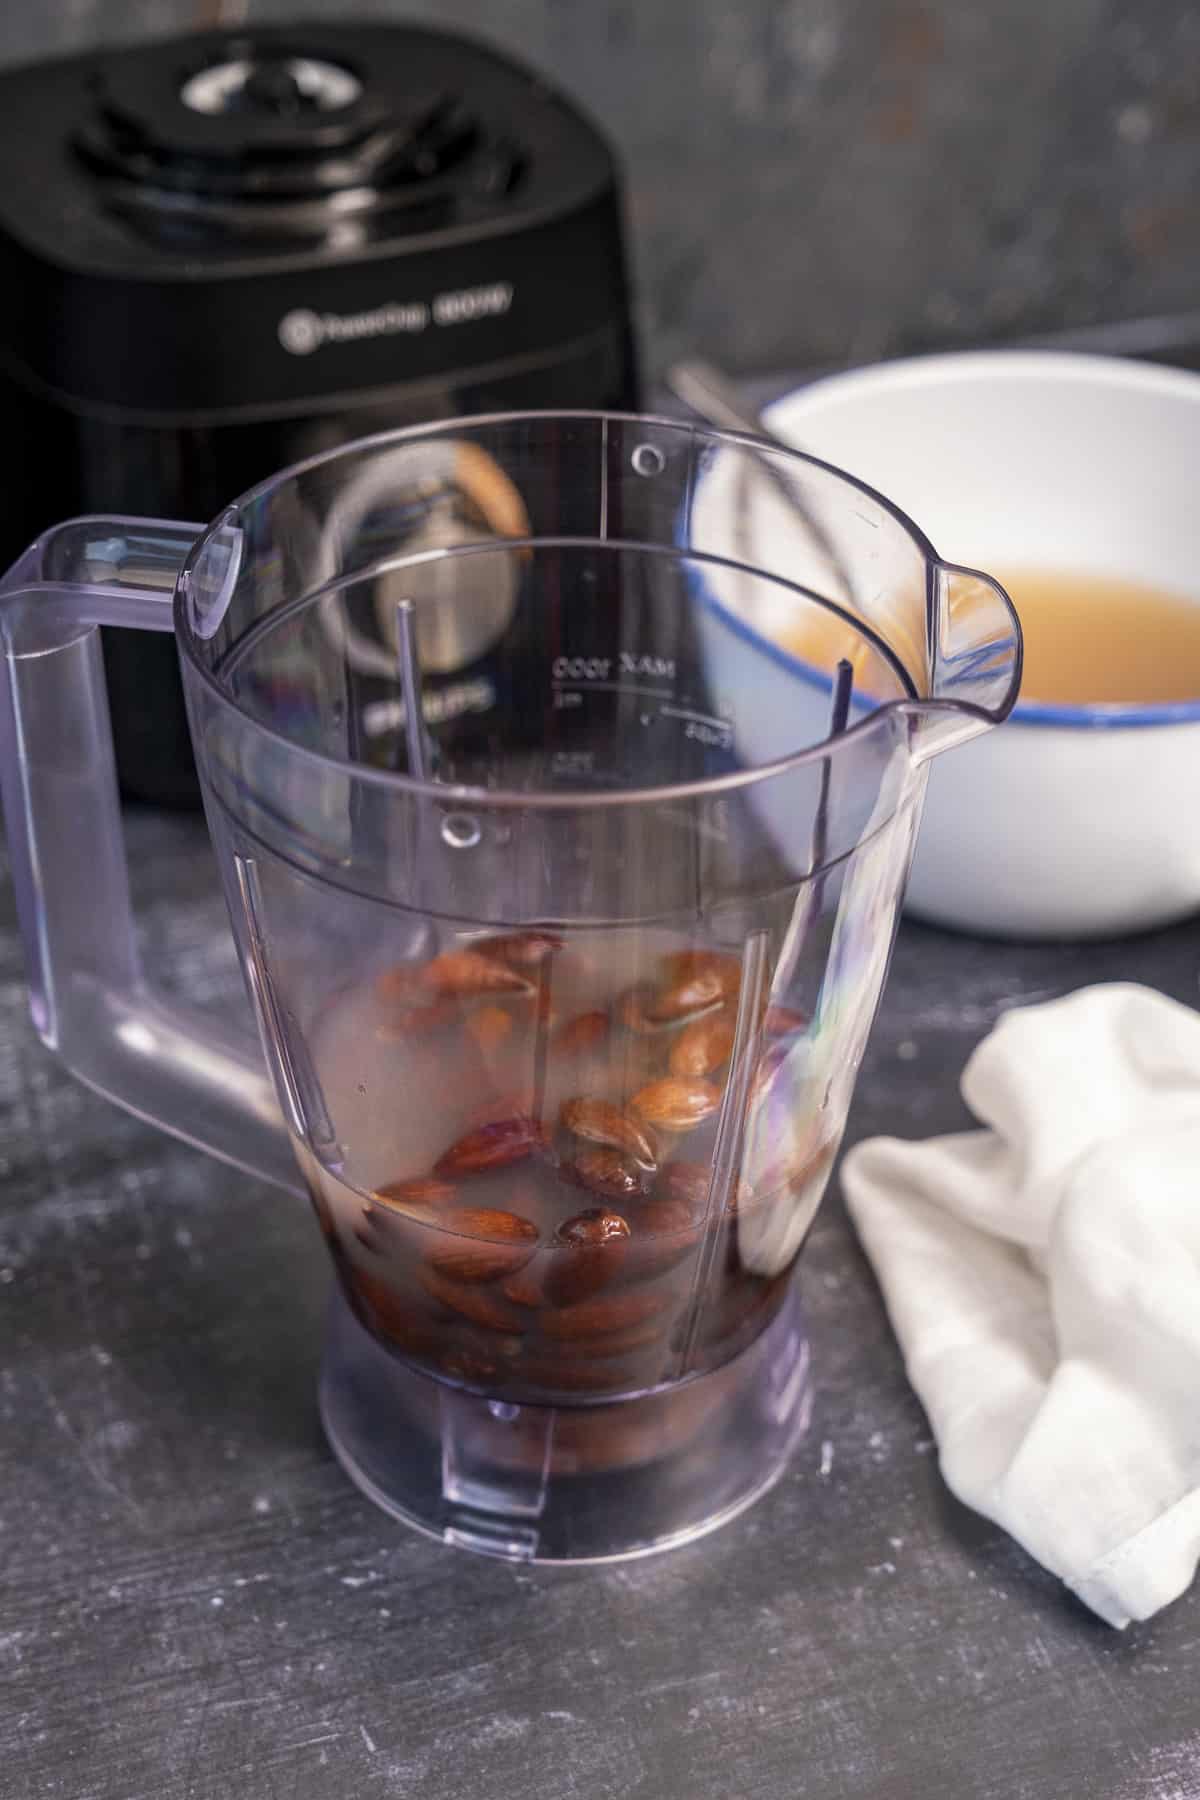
[[648, 459], [460, 831], [503, 1409]]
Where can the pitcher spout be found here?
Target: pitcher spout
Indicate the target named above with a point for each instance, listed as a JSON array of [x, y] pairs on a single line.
[[975, 659]]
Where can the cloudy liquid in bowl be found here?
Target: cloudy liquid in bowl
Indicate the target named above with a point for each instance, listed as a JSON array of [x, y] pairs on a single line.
[[1092, 639]]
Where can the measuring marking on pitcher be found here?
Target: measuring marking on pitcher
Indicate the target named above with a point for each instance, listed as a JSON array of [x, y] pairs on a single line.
[[595, 669]]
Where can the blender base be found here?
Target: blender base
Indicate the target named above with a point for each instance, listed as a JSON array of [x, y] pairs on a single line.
[[589, 1483]]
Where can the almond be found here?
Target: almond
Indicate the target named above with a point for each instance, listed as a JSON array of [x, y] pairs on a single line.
[[632, 1010], [507, 1243], [686, 1181], [490, 1026], [584, 1032], [416, 1018], [553, 1374], [520, 949], [423, 1194], [677, 1102], [491, 1146], [665, 1233], [525, 1288], [687, 965], [597, 1317], [586, 1255], [392, 1317], [605, 1171], [600, 1122], [465, 973], [471, 1302], [692, 980], [703, 1045], [683, 998]]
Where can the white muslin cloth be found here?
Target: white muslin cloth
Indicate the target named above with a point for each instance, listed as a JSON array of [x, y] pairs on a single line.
[[1043, 1278]]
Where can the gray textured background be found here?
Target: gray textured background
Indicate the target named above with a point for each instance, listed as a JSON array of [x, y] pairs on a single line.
[[827, 180]]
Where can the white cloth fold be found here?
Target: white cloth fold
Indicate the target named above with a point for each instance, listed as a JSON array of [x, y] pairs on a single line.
[[1043, 1278]]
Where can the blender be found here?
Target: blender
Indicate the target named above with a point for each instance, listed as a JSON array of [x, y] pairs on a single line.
[[562, 969]]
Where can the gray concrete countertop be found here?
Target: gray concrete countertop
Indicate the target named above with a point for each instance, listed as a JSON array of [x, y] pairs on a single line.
[[198, 1606]]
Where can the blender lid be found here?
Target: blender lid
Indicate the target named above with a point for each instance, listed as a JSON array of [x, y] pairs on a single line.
[[257, 133]]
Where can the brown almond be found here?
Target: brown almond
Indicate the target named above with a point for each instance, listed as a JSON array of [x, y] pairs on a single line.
[[416, 1018], [465, 973], [690, 965], [666, 1232], [686, 1181], [470, 1366], [586, 1254], [632, 1010], [607, 1313], [703, 1045], [605, 1171], [423, 1194], [492, 1146], [520, 949], [507, 1241], [471, 1302], [393, 1317], [683, 998], [584, 1032], [634, 1337], [677, 1102], [490, 1026], [525, 1287], [399, 982], [553, 1374], [600, 1122]]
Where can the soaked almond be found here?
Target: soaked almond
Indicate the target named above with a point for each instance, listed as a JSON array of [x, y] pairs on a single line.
[[677, 1102], [607, 1313], [605, 1171], [600, 1122], [634, 1337], [683, 998], [525, 1287], [393, 1317], [686, 1181], [416, 1018], [471, 1302], [399, 982], [585, 1031], [693, 980], [632, 1010], [508, 1242], [490, 1026], [463, 1363], [666, 1232], [424, 1194], [520, 949], [465, 973], [491, 1146], [703, 1045], [586, 1255], [555, 1374], [689, 965]]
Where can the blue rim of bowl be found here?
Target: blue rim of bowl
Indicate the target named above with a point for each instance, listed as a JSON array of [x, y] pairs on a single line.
[[1114, 716]]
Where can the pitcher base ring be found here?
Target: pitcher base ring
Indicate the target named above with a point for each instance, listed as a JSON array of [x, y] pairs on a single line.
[[564, 1484]]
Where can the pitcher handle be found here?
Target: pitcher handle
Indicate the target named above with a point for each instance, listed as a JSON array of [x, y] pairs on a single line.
[[202, 1080]]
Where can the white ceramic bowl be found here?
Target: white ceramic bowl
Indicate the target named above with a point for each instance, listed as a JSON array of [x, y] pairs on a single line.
[[1068, 821]]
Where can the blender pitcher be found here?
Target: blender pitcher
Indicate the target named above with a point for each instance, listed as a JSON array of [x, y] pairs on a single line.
[[564, 896]]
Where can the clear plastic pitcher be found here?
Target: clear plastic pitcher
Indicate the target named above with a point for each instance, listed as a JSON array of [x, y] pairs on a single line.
[[564, 897]]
